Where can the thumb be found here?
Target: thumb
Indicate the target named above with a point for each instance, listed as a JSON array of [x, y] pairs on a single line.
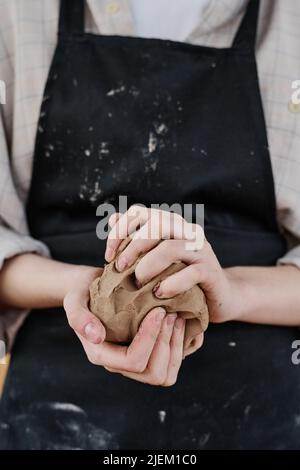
[[81, 319]]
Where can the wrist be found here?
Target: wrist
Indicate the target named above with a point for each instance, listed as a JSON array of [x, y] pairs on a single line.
[[76, 277], [29, 281], [243, 293]]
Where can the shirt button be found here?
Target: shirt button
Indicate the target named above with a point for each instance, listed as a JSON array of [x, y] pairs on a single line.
[[112, 8], [294, 107]]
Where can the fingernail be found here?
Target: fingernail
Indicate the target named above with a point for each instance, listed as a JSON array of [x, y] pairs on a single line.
[[109, 254], [121, 264], [160, 315], [179, 323], [156, 290], [171, 318], [92, 333]]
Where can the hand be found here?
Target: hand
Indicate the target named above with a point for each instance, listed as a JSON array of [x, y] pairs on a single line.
[[154, 356], [224, 291], [76, 302], [156, 352]]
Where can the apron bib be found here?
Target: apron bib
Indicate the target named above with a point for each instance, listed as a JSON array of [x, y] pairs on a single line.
[[160, 122]]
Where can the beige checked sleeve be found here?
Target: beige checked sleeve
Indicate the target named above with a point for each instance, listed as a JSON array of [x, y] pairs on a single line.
[[14, 237], [13, 227]]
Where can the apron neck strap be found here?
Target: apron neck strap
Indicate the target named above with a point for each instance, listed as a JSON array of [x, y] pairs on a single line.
[[71, 21], [245, 37], [71, 17]]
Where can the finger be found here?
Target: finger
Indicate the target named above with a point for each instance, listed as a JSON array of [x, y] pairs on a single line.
[[109, 255], [182, 281], [176, 352], [114, 218], [130, 375], [159, 360], [195, 344], [105, 354], [81, 319], [134, 357], [166, 225], [126, 224], [132, 251], [206, 271], [156, 371], [144, 341], [161, 225], [161, 257]]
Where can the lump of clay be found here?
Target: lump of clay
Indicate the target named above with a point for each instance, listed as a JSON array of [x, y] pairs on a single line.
[[121, 305]]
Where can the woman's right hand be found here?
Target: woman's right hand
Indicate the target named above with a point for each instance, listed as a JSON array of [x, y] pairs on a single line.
[[155, 354], [30, 281]]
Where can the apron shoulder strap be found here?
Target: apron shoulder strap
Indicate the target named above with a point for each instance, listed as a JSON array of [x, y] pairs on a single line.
[[71, 17], [246, 35]]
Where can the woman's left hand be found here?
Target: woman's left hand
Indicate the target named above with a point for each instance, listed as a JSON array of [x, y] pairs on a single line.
[[181, 242]]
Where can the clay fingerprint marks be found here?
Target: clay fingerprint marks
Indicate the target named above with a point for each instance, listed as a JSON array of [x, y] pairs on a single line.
[[121, 306]]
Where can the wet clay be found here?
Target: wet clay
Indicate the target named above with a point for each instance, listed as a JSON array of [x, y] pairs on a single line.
[[121, 305]]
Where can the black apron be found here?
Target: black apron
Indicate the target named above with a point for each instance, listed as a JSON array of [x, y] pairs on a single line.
[[160, 122]]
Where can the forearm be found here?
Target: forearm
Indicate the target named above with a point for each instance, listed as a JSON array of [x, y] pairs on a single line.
[[269, 295], [31, 281]]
